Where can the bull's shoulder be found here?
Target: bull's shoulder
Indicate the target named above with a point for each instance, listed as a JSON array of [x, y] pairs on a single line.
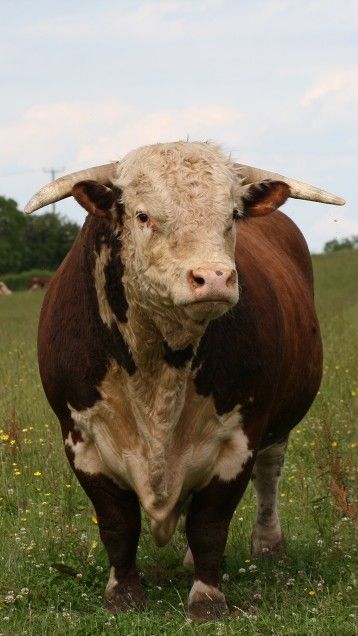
[[256, 354], [273, 243], [75, 344]]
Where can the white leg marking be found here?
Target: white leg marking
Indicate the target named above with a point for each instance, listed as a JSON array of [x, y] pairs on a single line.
[[112, 582], [202, 592], [188, 561], [267, 534], [206, 602]]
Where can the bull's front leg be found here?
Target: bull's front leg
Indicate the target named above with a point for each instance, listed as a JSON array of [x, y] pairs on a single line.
[[119, 523], [207, 528]]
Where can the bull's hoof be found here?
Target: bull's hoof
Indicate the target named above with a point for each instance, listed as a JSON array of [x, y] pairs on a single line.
[[124, 599], [123, 596], [267, 547], [206, 603]]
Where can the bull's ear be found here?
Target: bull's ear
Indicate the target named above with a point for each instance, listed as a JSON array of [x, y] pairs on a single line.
[[264, 197], [97, 199]]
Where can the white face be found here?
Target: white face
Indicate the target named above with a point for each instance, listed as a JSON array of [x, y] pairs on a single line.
[[179, 229]]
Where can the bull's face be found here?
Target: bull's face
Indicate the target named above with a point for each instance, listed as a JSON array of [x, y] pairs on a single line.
[[178, 214], [180, 233]]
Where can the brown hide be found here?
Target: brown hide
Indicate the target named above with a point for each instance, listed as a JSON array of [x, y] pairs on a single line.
[[265, 354], [74, 346], [270, 357]]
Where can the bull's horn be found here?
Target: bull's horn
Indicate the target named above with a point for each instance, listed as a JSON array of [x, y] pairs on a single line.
[[299, 190], [62, 187]]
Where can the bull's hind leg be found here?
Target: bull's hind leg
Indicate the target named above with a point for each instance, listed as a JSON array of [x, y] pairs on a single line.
[[119, 523], [267, 537]]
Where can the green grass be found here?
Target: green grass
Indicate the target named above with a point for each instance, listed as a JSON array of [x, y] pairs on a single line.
[[46, 520]]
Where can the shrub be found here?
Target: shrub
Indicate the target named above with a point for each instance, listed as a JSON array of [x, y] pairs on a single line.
[[18, 282]]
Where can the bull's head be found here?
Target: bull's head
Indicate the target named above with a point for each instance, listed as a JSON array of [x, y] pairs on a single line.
[[176, 206]]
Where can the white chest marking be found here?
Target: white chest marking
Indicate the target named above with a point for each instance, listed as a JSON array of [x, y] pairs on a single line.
[[162, 455]]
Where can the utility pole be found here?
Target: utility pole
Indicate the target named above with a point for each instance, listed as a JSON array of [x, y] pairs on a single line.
[[53, 172]]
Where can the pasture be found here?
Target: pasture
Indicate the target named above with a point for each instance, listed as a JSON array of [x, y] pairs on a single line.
[[52, 564]]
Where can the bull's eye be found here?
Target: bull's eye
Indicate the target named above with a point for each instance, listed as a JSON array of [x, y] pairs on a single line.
[[236, 214], [142, 216]]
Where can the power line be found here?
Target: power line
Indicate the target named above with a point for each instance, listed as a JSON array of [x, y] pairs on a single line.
[[53, 172], [18, 172]]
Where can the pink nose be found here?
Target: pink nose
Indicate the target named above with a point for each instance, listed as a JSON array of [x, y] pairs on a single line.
[[213, 284]]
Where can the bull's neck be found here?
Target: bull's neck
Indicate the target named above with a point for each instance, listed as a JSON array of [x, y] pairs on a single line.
[[158, 343]]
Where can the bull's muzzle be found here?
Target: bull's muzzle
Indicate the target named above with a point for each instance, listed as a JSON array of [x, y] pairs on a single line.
[[212, 284], [213, 292]]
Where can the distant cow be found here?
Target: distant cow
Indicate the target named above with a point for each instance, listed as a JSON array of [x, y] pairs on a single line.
[[178, 346], [36, 282], [4, 290]]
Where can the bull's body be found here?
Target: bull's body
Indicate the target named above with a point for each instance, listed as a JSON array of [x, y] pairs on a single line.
[[152, 415], [4, 290]]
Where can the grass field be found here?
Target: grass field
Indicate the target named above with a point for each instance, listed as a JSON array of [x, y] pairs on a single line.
[[53, 568]]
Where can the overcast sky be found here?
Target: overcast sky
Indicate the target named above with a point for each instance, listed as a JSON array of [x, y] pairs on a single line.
[[275, 82]]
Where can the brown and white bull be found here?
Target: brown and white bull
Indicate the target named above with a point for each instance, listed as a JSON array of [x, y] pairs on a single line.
[[4, 290], [178, 346]]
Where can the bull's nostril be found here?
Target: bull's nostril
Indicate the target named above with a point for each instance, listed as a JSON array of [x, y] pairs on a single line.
[[232, 278], [219, 273], [199, 280]]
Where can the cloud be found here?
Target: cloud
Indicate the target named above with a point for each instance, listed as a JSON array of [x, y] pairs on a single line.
[[163, 20], [197, 122], [342, 84], [81, 132], [44, 133]]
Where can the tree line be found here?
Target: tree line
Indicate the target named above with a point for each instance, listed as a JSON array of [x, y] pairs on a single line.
[[42, 242], [32, 242], [336, 245]]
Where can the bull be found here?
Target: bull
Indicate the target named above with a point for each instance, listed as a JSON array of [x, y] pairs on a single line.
[[178, 346], [4, 290]]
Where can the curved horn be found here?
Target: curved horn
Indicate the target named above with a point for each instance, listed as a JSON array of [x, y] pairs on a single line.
[[62, 187], [299, 190]]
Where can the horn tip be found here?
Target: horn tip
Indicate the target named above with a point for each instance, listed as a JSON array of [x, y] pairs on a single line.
[[29, 207]]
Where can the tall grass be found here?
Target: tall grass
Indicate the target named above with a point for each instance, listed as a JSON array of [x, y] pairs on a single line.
[[53, 568]]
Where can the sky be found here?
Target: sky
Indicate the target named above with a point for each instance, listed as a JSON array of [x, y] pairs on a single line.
[[274, 82]]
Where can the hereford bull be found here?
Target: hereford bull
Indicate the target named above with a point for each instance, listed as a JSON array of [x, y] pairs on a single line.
[[36, 282], [4, 290], [178, 346]]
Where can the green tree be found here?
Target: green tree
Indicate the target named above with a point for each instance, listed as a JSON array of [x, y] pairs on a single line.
[[48, 238], [35, 242], [344, 244], [12, 231]]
